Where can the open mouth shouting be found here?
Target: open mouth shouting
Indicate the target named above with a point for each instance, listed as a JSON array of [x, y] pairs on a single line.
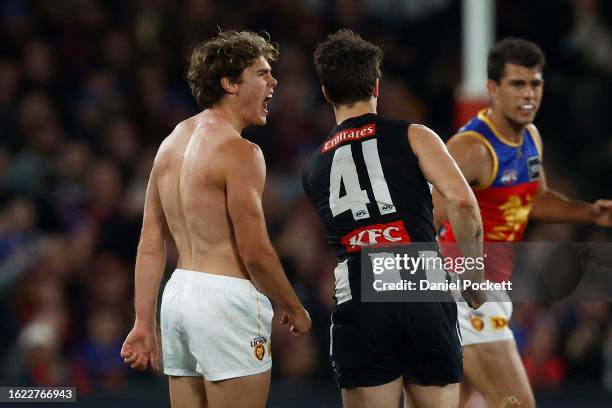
[[265, 102]]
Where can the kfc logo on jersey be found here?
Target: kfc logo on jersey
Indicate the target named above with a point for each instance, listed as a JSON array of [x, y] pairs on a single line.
[[509, 177], [376, 235], [348, 135]]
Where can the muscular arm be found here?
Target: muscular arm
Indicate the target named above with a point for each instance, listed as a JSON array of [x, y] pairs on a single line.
[[440, 170], [475, 163], [151, 256], [552, 206], [244, 180], [140, 346]]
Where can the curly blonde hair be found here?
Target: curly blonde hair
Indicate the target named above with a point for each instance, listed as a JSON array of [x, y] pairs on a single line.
[[225, 55]]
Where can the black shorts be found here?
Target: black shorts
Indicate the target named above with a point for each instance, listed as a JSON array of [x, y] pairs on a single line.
[[376, 343]]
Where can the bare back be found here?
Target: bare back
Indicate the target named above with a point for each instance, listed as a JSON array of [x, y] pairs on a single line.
[[189, 175]]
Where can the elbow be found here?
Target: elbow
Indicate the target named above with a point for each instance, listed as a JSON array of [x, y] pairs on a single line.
[[463, 200], [250, 261], [151, 246], [467, 203]]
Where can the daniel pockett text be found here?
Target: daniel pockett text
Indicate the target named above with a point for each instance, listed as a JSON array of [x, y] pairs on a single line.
[[387, 267]]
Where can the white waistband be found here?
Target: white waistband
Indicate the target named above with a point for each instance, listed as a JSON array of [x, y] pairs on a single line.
[[213, 281]]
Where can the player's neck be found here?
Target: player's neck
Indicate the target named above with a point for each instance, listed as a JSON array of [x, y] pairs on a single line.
[[509, 130], [229, 113], [344, 112]]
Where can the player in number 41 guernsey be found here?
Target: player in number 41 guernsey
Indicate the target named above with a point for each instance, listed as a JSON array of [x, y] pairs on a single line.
[[369, 183]]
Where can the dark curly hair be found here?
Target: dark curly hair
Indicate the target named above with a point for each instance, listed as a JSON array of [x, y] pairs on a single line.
[[348, 66], [514, 51], [225, 55]]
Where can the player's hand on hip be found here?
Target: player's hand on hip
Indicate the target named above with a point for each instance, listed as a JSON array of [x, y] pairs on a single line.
[[139, 349], [299, 322], [603, 213]]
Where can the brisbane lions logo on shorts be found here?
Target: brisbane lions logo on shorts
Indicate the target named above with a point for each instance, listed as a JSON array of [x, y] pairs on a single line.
[[476, 320], [499, 322], [258, 346]]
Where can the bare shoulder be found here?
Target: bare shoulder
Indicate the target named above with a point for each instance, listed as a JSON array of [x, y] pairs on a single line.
[[167, 148], [235, 150], [534, 132], [242, 164], [421, 135], [537, 138], [469, 142], [425, 143], [240, 149], [238, 156]]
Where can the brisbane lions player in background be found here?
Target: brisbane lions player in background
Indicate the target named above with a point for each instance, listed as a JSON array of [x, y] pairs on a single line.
[[500, 154]]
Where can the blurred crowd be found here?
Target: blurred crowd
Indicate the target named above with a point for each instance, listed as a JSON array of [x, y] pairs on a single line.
[[89, 88]]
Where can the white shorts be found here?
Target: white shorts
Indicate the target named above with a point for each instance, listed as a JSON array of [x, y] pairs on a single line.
[[214, 326], [490, 322]]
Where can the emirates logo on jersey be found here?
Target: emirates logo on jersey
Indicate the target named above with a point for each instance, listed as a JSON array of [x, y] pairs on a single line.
[[376, 235], [348, 135]]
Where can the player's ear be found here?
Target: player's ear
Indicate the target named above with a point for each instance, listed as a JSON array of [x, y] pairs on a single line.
[[229, 86], [325, 95], [375, 90], [492, 88]]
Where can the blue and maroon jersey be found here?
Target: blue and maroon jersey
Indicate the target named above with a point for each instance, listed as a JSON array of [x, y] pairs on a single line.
[[506, 199]]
